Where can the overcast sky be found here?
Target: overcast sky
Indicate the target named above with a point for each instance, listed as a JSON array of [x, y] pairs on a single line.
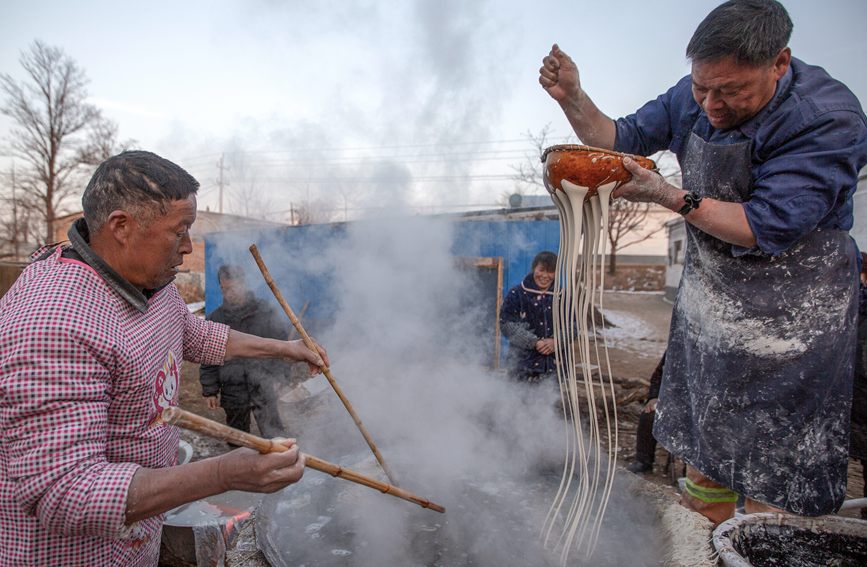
[[359, 103]]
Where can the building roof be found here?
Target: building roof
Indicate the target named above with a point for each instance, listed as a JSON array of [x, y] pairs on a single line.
[[208, 222], [546, 212]]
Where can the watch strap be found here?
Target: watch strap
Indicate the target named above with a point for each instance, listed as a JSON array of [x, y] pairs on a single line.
[[691, 201]]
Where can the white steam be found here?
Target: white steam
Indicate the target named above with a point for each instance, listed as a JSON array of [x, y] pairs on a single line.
[[408, 347]]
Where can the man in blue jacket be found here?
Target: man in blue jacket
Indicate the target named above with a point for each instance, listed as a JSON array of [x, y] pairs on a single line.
[[757, 384]]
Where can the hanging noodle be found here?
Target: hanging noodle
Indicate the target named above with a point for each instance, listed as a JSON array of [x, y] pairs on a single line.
[[580, 180]]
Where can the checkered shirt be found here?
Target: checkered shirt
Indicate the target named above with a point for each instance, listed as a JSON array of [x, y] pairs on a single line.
[[83, 377]]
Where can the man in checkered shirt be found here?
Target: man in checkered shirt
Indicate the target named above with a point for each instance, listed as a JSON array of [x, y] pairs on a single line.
[[91, 340]]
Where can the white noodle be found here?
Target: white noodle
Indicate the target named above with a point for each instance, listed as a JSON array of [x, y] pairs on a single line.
[[587, 476]]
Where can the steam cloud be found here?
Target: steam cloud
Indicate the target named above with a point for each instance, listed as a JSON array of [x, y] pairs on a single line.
[[406, 346]]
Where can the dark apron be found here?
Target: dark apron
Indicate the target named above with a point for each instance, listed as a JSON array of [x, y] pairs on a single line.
[[757, 386], [858, 437]]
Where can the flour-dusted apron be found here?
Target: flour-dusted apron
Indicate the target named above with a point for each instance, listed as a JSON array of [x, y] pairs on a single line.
[[757, 385]]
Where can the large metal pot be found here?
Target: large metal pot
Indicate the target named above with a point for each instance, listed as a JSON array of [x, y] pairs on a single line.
[[766, 540]]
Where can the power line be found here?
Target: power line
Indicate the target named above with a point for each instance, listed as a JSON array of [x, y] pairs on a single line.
[[444, 159], [373, 160], [387, 179], [356, 148], [336, 149]]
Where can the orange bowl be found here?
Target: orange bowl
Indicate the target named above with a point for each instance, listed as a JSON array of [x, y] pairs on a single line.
[[586, 166]]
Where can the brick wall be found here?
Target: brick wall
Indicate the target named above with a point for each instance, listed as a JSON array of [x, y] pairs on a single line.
[[636, 278]]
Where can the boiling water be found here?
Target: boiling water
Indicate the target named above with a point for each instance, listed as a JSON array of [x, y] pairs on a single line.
[[491, 522]]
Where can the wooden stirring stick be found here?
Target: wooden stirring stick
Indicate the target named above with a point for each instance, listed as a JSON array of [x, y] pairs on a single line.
[[177, 416], [325, 370]]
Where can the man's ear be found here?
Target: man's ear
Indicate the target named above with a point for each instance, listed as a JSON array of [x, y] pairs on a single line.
[[781, 63], [119, 225]]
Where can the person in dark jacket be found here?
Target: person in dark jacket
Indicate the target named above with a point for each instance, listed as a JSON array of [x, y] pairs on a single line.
[[645, 442], [526, 319], [245, 385]]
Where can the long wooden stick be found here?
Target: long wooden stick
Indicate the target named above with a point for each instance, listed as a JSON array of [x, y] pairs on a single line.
[[325, 370], [177, 416]]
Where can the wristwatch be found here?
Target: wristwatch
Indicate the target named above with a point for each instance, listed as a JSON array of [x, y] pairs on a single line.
[[691, 200]]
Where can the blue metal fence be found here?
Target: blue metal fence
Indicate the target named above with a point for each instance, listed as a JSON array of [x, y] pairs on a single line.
[[290, 253]]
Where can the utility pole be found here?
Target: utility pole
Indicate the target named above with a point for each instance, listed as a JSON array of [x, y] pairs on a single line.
[[220, 182]]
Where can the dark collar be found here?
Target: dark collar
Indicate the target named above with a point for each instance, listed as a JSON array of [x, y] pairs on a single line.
[[237, 312], [79, 236]]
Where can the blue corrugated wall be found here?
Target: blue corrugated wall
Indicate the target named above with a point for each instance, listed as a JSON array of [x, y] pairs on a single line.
[[516, 241]]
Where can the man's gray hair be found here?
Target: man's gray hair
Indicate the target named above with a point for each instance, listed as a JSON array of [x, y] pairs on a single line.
[[139, 182], [753, 31]]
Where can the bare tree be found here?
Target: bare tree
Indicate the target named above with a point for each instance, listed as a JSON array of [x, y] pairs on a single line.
[[20, 226], [627, 222], [102, 143], [248, 200], [56, 132], [247, 197], [627, 219], [528, 173], [312, 212]]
